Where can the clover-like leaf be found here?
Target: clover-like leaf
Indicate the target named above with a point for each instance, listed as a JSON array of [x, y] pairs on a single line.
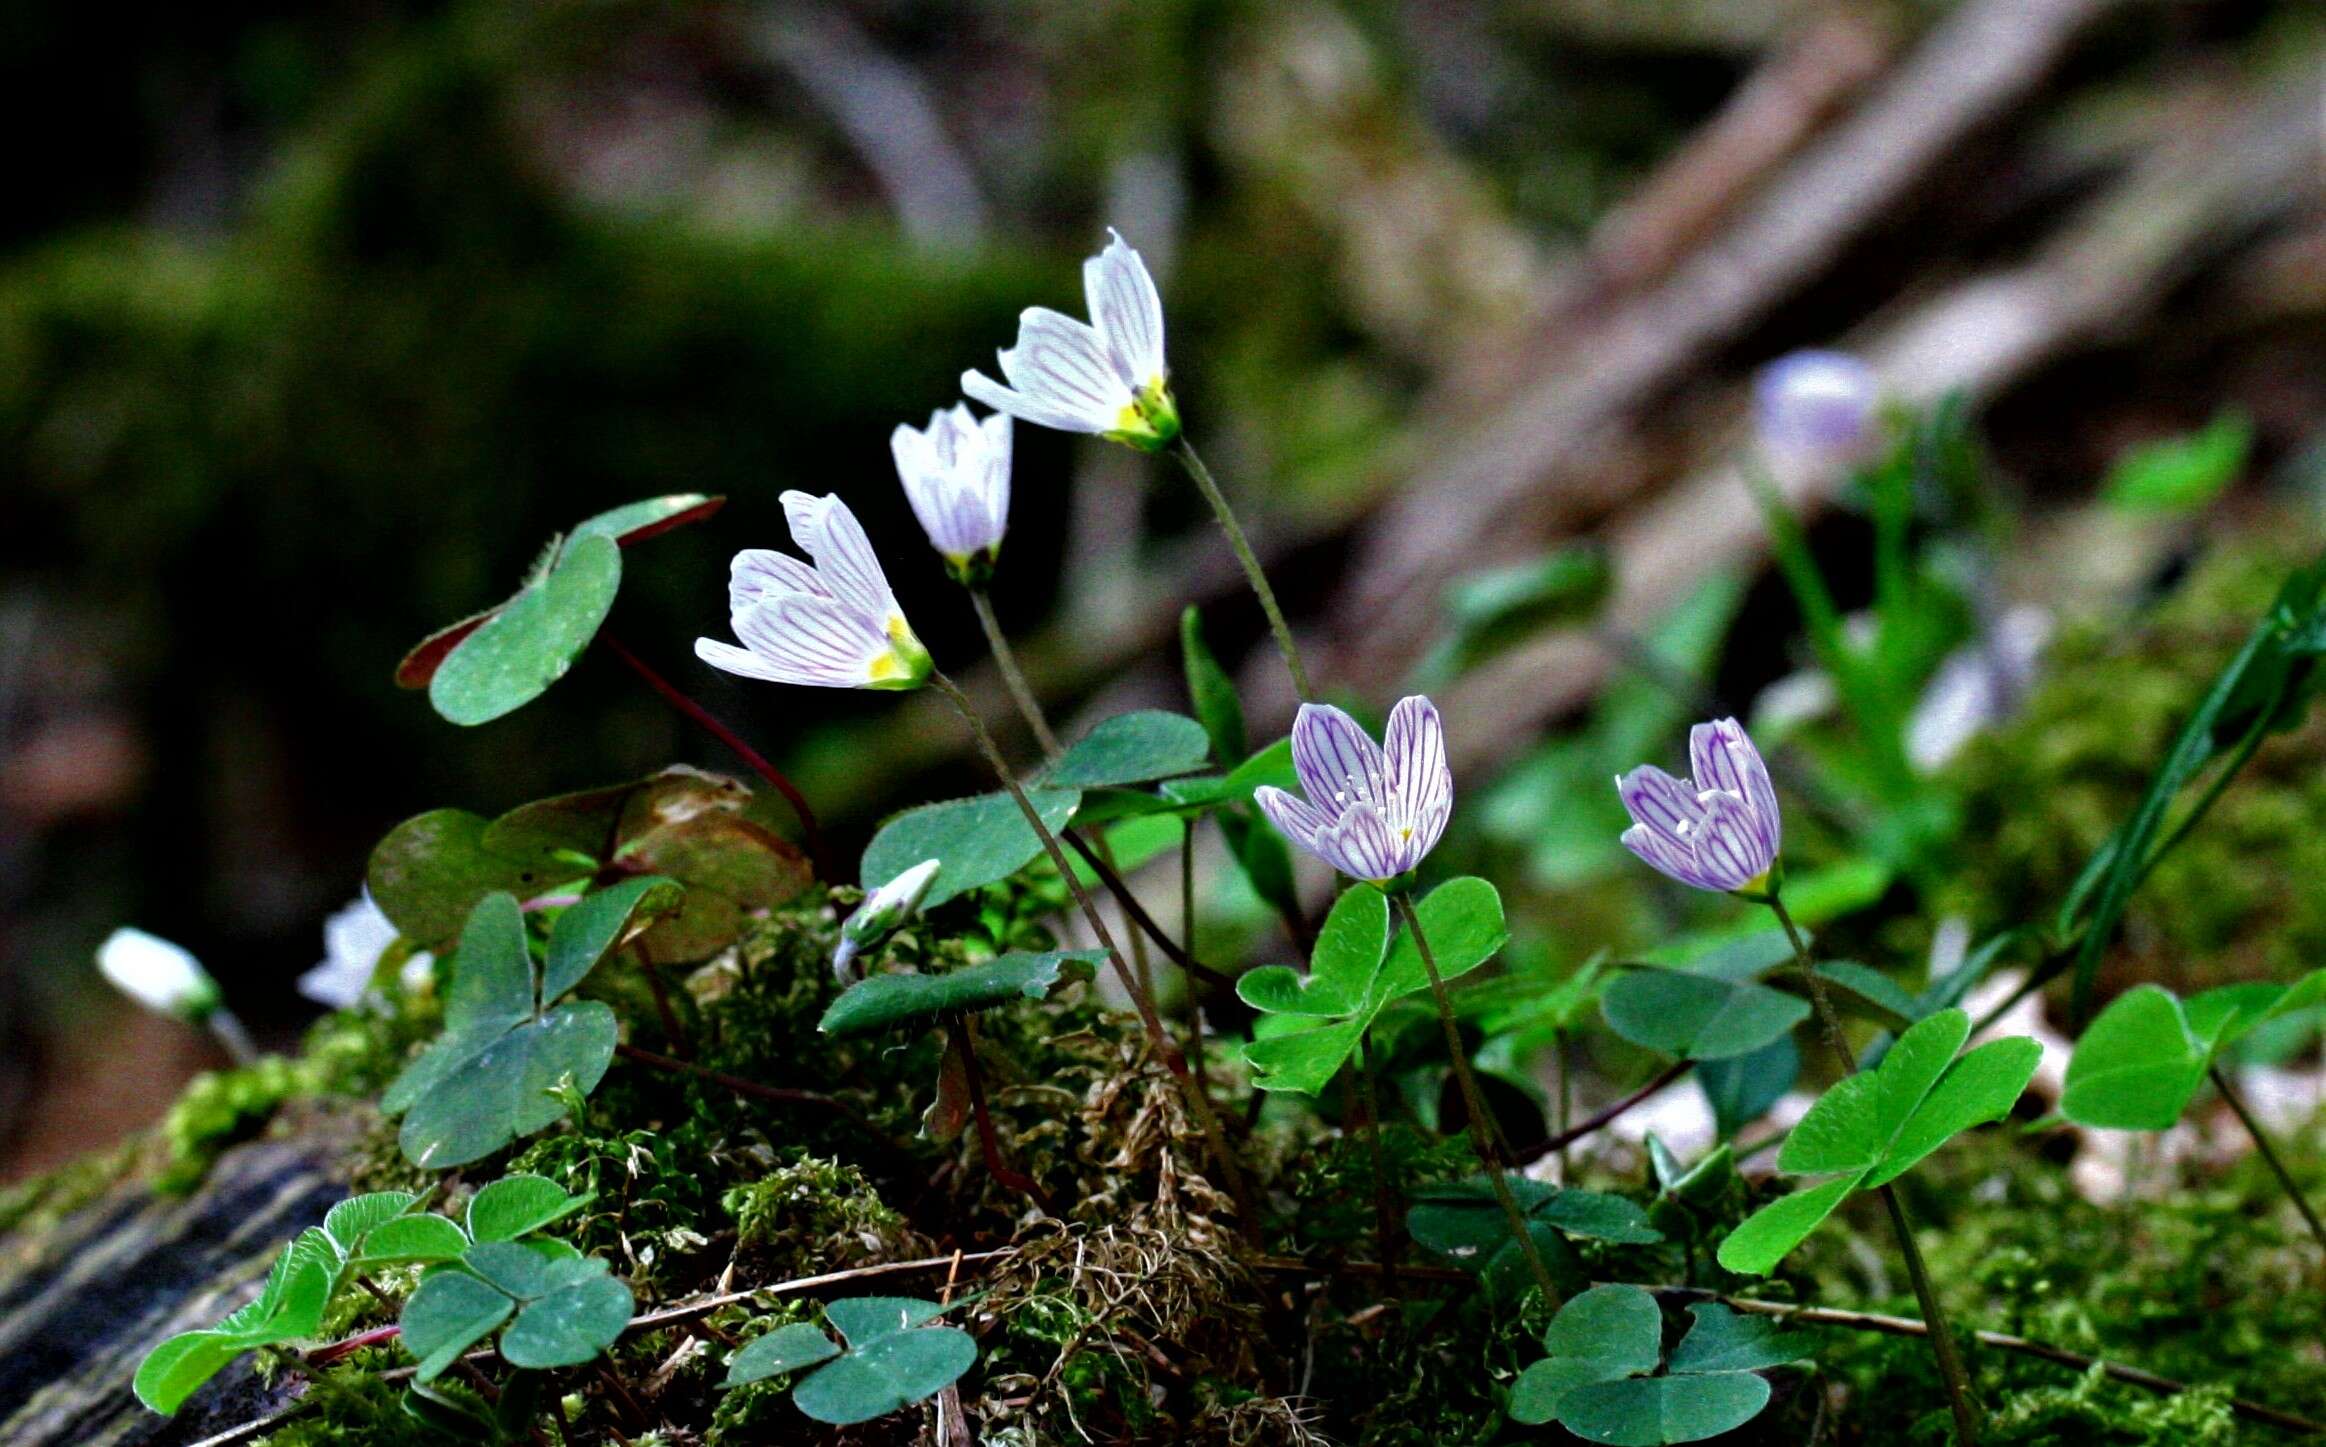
[[349, 1222], [2142, 1060], [1462, 919], [978, 841], [1725, 1340], [420, 1238], [892, 1359], [519, 1205], [569, 1325], [1132, 748], [430, 871], [448, 1313], [515, 655], [1463, 1222], [1604, 1344], [509, 1088], [586, 931], [880, 1001], [1601, 1335], [1653, 1411], [1348, 950], [1698, 1017], [289, 1307], [1872, 1127]]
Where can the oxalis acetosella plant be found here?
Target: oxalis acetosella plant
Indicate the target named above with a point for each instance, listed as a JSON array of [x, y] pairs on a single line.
[[616, 930]]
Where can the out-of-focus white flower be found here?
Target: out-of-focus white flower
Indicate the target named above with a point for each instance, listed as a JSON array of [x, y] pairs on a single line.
[[163, 977], [956, 473], [1372, 812], [1818, 408], [353, 941], [1800, 697], [882, 912], [1105, 376], [834, 625], [1976, 687]]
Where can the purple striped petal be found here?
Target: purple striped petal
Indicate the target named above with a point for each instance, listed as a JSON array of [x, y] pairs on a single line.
[[1723, 756], [1338, 765], [1421, 784], [1125, 310], [831, 535], [1660, 802], [1042, 412], [1667, 856], [1294, 817], [1000, 444], [1730, 847], [760, 573], [1361, 845]]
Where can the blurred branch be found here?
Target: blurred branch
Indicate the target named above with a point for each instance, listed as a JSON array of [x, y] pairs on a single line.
[[880, 104]]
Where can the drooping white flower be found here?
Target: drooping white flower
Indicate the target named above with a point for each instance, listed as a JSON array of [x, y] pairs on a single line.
[[1372, 811], [1818, 408], [883, 911], [833, 625], [956, 474], [163, 977], [354, 939], [1105, 376], [1975, 688]]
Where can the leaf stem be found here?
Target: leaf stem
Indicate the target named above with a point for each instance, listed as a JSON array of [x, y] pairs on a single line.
[[1474, 1103], [1166, 1049], [1597, 1122], [1184, 450], [1942, 1342], [1384, 1189], [810, 831], [997, 1165], [2269, 1153]]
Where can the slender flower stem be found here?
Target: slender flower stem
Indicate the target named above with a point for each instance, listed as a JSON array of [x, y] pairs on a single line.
[[1100, 855], [810, 830], [1185, 452], [231, 1037], [2269, 1153], [1474, 1104], [1942, 1342], [1006, 659], [1166, 1049], [1384, 1190], [1559, 1140]]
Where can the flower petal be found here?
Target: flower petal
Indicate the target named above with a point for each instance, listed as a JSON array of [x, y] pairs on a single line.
[[1723, 757], [1421, 783], [759, 573], [1126, 311], [1361, 845], [792, 638], [830, 534], [1294, 817], [1667, 856], [1338, 765], [1038, 411], [1730, 848], [1064, 363], [1661, 802]]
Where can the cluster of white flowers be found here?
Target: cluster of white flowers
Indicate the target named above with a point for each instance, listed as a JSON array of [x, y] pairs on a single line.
[[836, 624]]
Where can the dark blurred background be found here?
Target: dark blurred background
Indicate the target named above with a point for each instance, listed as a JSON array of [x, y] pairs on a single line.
[[316, 321]]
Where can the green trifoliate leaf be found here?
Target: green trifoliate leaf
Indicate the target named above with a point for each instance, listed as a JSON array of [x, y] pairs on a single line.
[[422, 1238], [979, 841], [492, 973], [519, 1205], [880, 1001], [1462, 919], [447, 1314], [604, 918], [1698, 1017], [1873, 1127], [1725, 1340], [430, 871], [510, 1088], [518, 653], [1601, 1335], [288, 1308], [1652, 1411], [1463, 1222], [1132, 748], [349, 1222], [2143, 1059], [1348, 951], [891, 1361]]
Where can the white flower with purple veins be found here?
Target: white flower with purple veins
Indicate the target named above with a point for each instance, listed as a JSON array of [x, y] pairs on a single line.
[[1105, 376], [1718, 831], [1372, 812], [834, 625], [354, 939], [1818, 406], [882, 913], [956, 474]]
